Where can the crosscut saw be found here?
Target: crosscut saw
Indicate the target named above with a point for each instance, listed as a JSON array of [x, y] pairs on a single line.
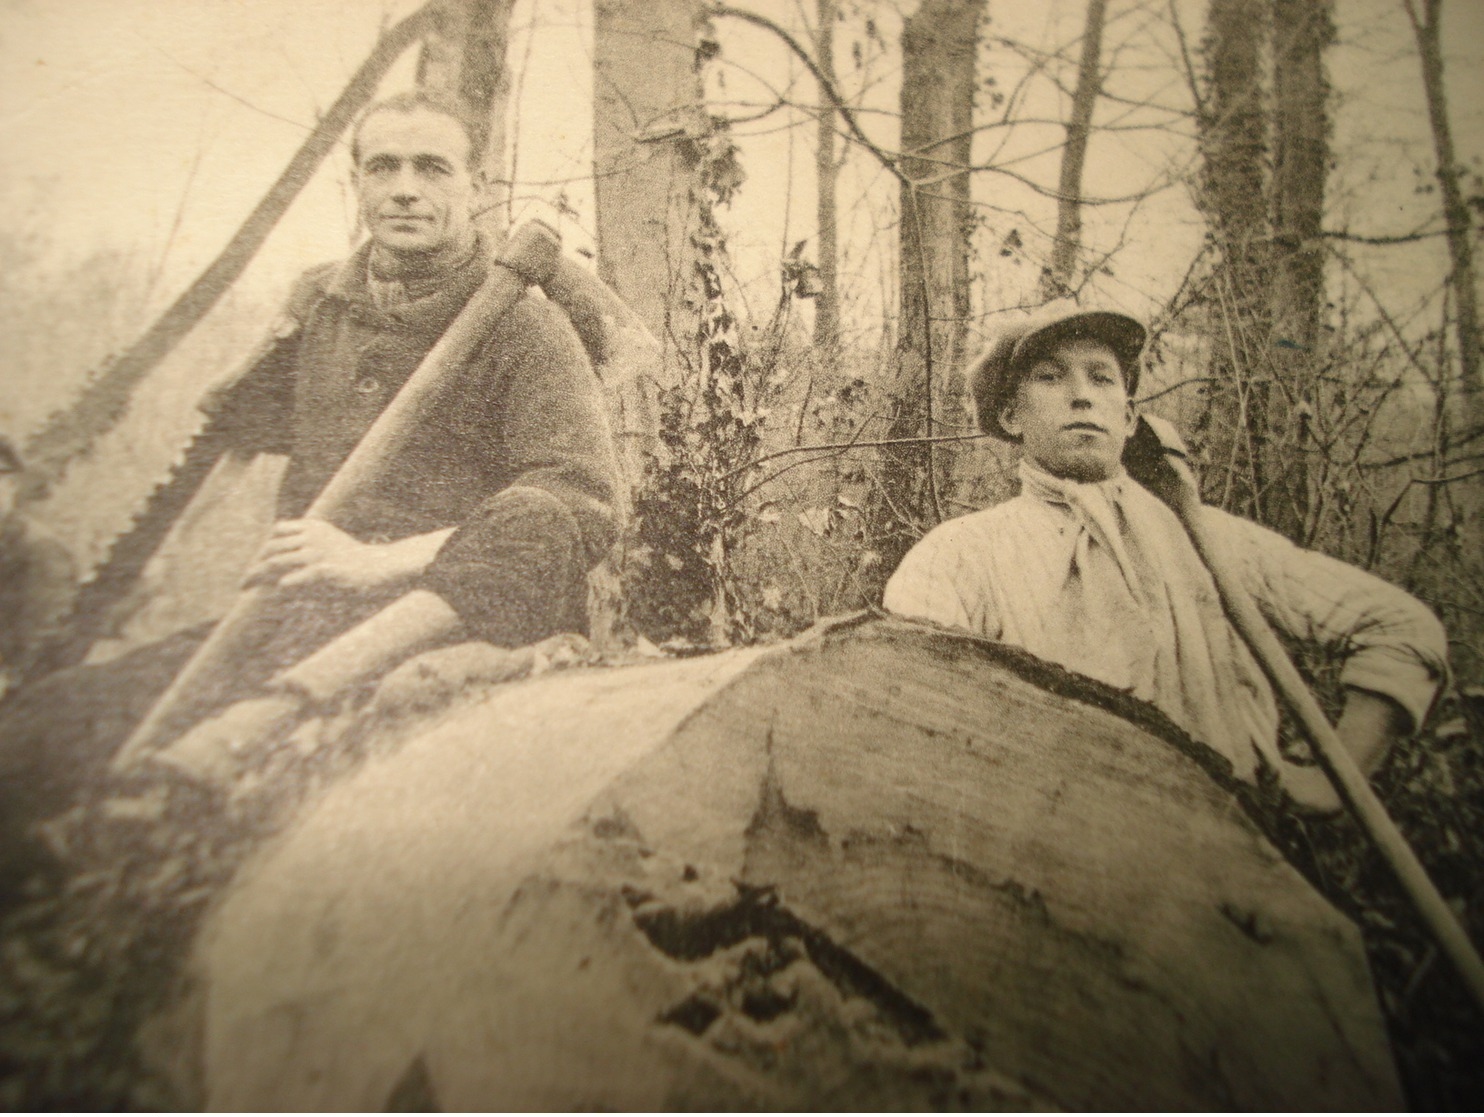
[[612, 335], [620, 347]]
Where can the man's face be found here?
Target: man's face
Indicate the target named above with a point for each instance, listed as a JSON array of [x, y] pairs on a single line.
[[412, 173], [1072, 413]]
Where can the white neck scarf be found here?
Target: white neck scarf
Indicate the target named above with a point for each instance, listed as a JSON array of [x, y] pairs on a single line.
[[1138, 609]]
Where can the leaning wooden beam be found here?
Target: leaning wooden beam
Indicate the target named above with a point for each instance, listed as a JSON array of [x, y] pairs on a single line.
[[72, 431]]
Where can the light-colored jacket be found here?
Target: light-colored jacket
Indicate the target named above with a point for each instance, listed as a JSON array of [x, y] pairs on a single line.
[[1102, 579]]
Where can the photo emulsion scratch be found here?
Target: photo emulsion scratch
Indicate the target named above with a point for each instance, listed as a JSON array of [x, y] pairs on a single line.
[[781, 554]]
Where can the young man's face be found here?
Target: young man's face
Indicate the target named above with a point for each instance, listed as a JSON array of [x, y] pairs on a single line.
[[413, 178], [1072, 413]]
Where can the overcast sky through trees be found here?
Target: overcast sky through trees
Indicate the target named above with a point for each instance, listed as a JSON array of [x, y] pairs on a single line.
[[152, 127]]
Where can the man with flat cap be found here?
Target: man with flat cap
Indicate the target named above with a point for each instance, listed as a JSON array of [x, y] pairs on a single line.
[[1088, 569]]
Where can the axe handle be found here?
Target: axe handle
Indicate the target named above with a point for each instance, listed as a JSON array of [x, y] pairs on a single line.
[[417, 620], [1353, 787], [529, 257]]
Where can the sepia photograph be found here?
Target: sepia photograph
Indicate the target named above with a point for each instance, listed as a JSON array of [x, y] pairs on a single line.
[[766, 555]]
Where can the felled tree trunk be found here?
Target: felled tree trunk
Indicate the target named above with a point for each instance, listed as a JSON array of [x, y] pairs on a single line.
[[878, 867]]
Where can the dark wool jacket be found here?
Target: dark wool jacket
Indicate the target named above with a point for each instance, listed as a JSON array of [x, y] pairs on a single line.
[[519, 458]]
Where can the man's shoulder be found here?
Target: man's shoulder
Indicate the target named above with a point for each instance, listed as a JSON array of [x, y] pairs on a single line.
[[986, 521], [975, 531], [536, 312], [539, 328], [311, 287]]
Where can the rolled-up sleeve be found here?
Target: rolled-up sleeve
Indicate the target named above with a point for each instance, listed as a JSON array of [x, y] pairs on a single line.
[[1393, 644], [515, 572], [516, 568]]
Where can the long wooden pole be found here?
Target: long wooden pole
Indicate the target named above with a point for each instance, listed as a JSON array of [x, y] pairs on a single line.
[[71, 431], [1353, 787], [529, 257]]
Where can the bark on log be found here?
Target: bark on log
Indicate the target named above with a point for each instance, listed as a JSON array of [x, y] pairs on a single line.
[[880, 866]]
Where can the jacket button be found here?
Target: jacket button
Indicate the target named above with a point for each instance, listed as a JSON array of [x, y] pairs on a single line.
[[367, 384]]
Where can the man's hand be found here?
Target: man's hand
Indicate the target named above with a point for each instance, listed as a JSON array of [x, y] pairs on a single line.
[[1370, 725], [317, 553]]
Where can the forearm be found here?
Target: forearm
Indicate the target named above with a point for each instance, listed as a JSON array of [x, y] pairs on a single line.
[[1370, 725], [1393, 645], [411, 624], [405, 560]]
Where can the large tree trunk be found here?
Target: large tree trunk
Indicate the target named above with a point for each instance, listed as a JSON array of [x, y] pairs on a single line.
[[939, 46], [827, 172], [1468, 406], [466, 58], [808, 876], [649, 135], [1234, 143], [647, 103], [1301, 31], [1068, 244]]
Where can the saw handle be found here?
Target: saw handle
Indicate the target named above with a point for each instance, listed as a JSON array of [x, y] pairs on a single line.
[[530, 256]]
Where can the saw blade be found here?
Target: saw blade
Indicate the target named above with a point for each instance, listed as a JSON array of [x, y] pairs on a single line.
[[101, 593]]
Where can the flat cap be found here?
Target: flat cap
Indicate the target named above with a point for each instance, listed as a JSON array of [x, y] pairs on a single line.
[[995, 375]]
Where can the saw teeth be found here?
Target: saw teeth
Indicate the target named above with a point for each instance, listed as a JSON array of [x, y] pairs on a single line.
[[172, 472]]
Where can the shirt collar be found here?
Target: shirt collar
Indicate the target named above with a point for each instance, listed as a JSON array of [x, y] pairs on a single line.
[[350, 281], [1049, 489]]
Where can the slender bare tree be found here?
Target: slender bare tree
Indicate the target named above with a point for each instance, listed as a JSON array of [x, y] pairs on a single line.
[[827, 172], [1302, 29], [1068, 243], [465, 57], [1426, 22], [647, 113], [1234, 141]]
